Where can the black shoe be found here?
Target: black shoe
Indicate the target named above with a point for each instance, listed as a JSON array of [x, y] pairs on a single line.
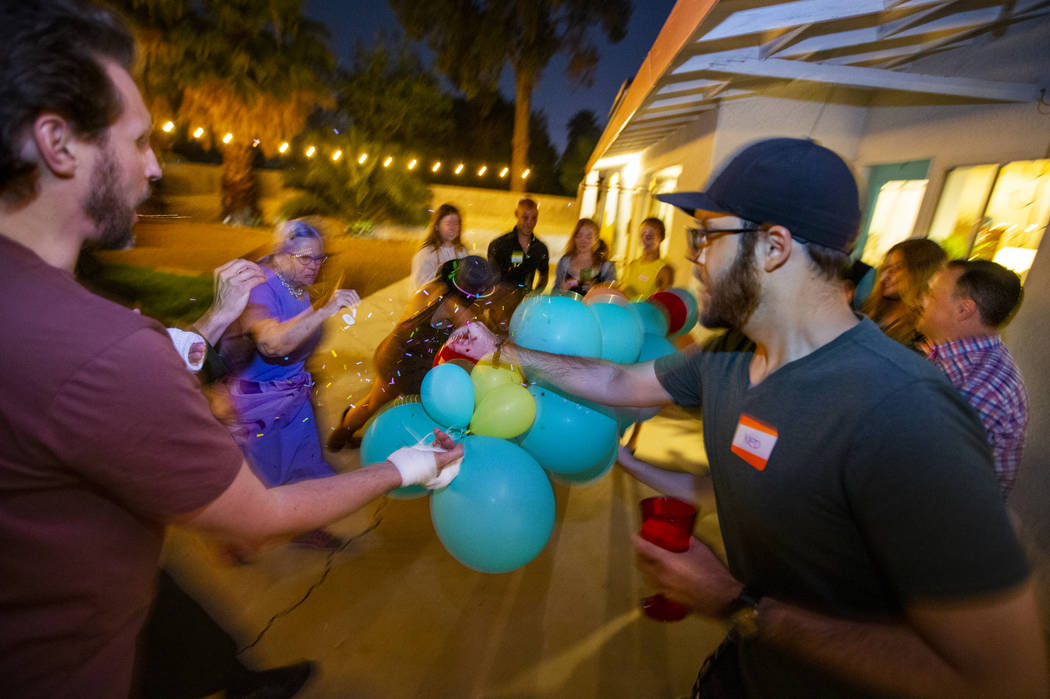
[[278, 683]]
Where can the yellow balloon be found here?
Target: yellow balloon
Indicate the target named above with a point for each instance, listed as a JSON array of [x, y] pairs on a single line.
[[486, 377], [505, 411]]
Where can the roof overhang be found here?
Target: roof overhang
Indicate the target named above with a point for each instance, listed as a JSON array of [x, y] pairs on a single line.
[[712, 50]]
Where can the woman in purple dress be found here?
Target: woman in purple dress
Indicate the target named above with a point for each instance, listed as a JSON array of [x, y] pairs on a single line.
[[270, 389]]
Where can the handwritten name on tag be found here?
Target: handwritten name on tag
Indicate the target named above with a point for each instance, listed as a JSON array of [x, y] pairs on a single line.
[[754, 441]]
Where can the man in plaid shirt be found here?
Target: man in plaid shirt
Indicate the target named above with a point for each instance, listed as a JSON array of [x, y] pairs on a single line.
[[969, 301]]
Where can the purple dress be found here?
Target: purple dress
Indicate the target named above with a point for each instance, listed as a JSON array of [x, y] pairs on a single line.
[[275, 426]]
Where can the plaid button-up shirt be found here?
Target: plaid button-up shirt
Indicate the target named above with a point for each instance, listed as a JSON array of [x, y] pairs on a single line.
[[983, 370]]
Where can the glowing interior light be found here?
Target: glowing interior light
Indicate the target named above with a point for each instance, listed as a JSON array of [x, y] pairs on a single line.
[[168, 127], [284, 147], [436, 166], [483, 170], [337, 155], [504, 171], [227, 138], [526, 173], [311, 151], [459, 168], [412, 165], [389, 159], [198, 133], [362, 159]]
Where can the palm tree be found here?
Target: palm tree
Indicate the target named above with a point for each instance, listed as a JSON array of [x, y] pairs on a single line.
[[474, 39], [247, 72]]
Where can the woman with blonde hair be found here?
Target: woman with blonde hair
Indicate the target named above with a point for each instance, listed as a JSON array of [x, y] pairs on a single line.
[[443, 243], [586, 260], [895, 303]]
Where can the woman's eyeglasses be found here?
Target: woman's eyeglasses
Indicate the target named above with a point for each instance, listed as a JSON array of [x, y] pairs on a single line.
[[306, 258]]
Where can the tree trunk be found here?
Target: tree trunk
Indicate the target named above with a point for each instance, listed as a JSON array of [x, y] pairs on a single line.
[[524, 80], [240, 194]]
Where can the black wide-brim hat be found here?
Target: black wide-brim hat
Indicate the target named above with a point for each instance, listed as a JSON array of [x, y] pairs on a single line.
[[470, 276], [792, 182]]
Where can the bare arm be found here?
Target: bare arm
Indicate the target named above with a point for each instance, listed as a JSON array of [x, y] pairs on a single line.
[[250, 514], [665, 278], [233, 283], [276, 339], [986, 647], [591, 379], [690, 487]]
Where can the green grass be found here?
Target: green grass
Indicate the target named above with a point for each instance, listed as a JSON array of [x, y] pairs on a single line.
[[173, 299]]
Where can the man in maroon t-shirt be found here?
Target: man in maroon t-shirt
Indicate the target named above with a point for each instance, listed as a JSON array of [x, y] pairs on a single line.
[[104, 436]]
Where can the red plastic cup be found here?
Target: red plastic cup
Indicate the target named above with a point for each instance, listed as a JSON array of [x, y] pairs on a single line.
[[668, 523]]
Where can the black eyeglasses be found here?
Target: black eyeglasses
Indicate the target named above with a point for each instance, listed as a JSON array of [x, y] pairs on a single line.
[[699, 238], [306, 258]]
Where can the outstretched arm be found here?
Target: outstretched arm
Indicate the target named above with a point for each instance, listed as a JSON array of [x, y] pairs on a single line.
[[990, 646], [250, 514], [591, 379]]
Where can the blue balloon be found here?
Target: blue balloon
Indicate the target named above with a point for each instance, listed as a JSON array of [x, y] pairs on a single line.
[[400, 425], [592, 475], [558, 324], [521, 310], [567, 437], [621, 332], [654, 347], [448, 395], [498, 513], [653, 320]]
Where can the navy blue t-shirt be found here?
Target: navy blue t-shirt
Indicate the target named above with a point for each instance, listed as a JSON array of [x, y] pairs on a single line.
[[849, 481]]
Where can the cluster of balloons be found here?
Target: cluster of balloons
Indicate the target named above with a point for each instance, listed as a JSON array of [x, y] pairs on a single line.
[[498, 513]]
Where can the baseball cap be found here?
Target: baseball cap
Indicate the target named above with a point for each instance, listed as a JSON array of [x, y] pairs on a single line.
[[792, 182]]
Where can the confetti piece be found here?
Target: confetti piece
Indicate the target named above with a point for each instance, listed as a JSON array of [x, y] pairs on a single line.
[[334, 354]]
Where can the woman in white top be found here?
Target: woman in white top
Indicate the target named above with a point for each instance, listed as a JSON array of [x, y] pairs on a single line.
[[442, 244]]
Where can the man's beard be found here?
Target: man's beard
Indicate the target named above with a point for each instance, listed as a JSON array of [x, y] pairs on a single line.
[[107, 208], [732, 299]]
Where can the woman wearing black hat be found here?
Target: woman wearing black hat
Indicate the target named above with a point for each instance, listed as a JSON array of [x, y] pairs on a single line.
[[402, 359]]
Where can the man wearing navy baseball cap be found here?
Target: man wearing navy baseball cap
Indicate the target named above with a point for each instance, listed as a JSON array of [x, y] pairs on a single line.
[[868, 551]]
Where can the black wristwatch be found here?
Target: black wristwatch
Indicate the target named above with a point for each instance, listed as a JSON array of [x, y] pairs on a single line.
[[743, 613]]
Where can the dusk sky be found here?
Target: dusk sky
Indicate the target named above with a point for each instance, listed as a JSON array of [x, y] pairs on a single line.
[[360, 20]]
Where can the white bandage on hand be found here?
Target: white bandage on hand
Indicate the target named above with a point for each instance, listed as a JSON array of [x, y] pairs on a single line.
[[418, 466], [183, 342]]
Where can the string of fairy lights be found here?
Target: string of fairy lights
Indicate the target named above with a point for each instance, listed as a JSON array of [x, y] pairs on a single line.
[[410, 163]]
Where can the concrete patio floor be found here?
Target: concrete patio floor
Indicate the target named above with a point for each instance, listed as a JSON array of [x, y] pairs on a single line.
[[394, 615]]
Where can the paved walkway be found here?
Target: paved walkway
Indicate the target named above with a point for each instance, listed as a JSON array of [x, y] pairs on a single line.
[[394, 615]]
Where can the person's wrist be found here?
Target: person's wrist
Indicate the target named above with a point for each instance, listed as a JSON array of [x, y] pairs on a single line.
[[743, 612]]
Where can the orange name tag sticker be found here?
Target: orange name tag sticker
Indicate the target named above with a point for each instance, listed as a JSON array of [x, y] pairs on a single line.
[[754, 441]]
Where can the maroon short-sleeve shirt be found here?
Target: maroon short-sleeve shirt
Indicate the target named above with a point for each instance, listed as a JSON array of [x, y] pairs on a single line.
[[104, 436]]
